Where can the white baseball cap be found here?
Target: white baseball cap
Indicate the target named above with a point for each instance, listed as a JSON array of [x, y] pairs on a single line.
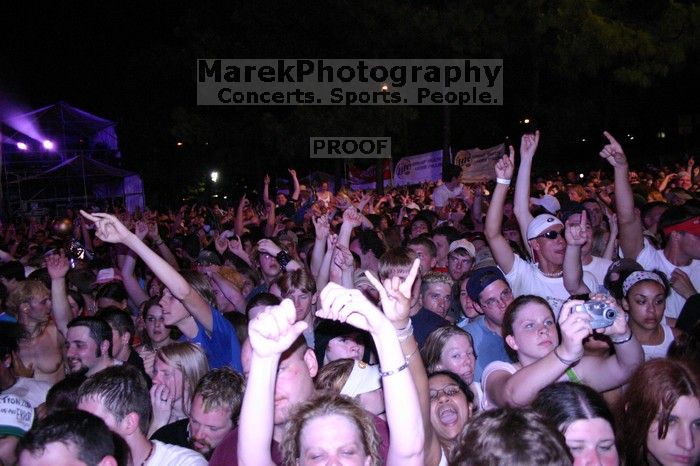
[[550, 203], [540, 224]]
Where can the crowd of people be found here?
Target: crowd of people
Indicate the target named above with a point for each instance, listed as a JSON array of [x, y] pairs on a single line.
[[548, 320]]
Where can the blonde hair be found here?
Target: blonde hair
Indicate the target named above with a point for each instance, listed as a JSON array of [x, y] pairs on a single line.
[[431, 278], [25, 291], [329, 405], [191, 361], [435, 343], [233, 276]]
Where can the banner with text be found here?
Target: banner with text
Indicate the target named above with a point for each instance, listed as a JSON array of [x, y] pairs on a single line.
[[417, 169], [478, 164]]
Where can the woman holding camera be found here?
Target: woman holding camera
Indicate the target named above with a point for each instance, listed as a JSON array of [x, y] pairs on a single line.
[[532, 339]]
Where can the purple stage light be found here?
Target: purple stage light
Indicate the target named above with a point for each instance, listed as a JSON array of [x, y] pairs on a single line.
[[22, 146], [48, 145]]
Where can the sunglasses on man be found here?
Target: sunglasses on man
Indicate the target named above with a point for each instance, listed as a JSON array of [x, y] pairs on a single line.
[[551, 234]]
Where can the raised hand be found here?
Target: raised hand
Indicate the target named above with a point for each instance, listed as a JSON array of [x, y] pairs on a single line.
[[141, 230], [292, 172], [221, 244], [352, 217], [680, 282], [153, 232], [234, 244], [331, 241], [576, 234], [274, 330], [107, 227], [266, 180], [269, 247], [57, 265], [321, 226], [619, 328], [395, 294], [528, 144], [342, 257], [506, 165], [612, 152], [575, 326], [351, 306]]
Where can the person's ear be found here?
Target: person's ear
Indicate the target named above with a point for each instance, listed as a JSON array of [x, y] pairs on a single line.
[[105, 346], [108, 461], [433, 263], [534, 244], [130, 423], [478, 307], [510, 340], [125, 338], [311, 362], [314, 298], [625, 304]]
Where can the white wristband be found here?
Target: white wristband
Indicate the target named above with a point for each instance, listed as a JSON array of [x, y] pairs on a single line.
[[502, 181]]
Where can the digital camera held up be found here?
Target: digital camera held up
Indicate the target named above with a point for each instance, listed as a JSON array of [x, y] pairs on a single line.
[[603, 315]]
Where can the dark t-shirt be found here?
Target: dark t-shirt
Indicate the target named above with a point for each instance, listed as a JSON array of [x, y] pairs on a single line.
[[424, 322], [136, 361], [174, 433]]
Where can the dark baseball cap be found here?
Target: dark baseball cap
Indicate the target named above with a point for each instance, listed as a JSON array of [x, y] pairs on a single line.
[[481, 278]]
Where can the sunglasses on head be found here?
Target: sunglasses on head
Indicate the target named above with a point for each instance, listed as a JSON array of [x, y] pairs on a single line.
[[551, 234]]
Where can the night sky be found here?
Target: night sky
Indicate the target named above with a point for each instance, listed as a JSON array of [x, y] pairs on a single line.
[[134, 63]]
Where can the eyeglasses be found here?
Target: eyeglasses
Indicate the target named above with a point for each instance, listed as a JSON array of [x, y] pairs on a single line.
[[450, 391], [551, 234], [506, 295]]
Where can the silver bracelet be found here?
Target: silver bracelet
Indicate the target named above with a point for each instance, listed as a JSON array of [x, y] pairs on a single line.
[[566, 362], [395, 371], [502, 181]]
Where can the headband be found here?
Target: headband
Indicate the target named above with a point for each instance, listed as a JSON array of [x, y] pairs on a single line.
[[636, 277], [690, 226]]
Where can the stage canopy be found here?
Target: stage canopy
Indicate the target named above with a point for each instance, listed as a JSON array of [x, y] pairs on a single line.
[[60, 156]]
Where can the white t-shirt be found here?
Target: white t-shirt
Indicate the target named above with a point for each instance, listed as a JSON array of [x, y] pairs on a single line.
[[34, 391], [598, 268], [660, 350], [651, 258], [527, 278], [172, 455], [495, 366], [442, 194]]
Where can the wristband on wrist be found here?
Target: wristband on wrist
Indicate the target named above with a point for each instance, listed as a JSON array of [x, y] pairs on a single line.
[[395, 371], [623, 340], [406, 332], [502, 181], [566, 362], [283, 258], [159, 241]]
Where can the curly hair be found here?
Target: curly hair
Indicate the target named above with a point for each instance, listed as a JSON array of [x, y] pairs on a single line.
[[330, 405]]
